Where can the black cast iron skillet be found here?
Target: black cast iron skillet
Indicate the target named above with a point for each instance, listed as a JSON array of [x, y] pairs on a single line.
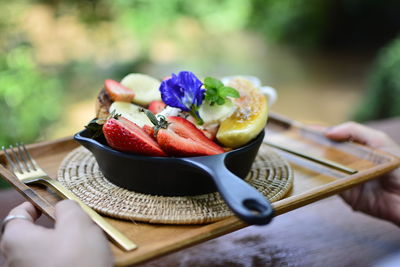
[[186, 176]]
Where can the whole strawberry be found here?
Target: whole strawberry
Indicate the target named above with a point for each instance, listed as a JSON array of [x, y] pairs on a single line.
[[124, 135]]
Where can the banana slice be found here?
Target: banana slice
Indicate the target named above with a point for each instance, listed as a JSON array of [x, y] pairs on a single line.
[[146, 88], [216, 113], [249, 118], [131, 112]]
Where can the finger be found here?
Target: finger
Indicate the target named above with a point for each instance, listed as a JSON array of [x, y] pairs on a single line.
[[351, 131], [17, 228], [25, 209], [319, 128], [69, 214]]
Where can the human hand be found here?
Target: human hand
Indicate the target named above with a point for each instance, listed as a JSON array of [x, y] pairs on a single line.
[[379, 197], [75, 240]]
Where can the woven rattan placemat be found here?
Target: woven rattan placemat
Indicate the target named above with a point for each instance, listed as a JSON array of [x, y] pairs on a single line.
[[79, 172]]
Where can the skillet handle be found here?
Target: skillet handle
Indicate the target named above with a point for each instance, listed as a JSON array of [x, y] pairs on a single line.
[[244, 200]]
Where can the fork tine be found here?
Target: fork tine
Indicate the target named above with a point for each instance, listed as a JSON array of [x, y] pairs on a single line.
[[29, 158], [23, 157], [17, 161], [9, 159]]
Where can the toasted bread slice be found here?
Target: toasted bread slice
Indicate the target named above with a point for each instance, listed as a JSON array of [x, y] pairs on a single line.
[[103, 103]]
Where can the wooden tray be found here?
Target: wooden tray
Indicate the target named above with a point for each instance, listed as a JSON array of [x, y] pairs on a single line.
[[312, 182]]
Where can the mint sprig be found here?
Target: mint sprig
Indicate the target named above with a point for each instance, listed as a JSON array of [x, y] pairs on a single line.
[[217, 92]]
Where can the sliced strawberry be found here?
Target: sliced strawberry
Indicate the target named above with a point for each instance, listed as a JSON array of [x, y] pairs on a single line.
[[124, 135], [149, 130], [183, 138], [209, 135], [118, 92], [187, 129], [156, 106], [211, 131]]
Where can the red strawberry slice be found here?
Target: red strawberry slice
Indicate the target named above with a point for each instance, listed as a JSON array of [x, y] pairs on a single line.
[[183, 138], [118, 92], [156, 106], [211, 131], [124, 135], [209, 135], [149, 130]]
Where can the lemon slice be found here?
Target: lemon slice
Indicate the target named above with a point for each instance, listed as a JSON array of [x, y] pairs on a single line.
[[249, 118], [145, 87], [131, 112]]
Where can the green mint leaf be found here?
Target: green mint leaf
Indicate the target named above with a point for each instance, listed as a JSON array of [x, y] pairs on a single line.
[[228, 91], [220, 100], [210, 82], [211, 95], [217, 93], [213, 98], [211, 92]]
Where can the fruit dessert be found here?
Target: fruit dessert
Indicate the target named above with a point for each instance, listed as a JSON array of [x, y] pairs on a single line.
[[180, 116]]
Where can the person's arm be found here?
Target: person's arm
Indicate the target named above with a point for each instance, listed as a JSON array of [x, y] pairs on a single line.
[[378, 197], [75, 240]]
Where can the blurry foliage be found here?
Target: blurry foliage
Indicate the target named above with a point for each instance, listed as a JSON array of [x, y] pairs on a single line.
[[322, 23], [148, 18], [298, 22], [362, 24], [382, 97], [31, 91], [30, 99]]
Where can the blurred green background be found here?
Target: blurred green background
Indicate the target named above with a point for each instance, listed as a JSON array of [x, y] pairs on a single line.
[[330, 60]]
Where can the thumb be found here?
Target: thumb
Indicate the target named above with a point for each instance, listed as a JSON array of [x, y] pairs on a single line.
[[69, 215], [351, 131]]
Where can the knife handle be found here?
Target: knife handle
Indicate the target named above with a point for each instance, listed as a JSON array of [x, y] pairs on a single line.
[[39, 202]]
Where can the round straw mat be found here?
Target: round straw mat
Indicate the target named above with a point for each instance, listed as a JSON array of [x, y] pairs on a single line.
[[79, 172]]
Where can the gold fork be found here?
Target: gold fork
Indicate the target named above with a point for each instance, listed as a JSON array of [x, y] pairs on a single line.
[[28, 171]]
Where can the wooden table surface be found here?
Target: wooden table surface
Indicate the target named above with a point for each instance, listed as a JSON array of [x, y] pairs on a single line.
[[325, 233]]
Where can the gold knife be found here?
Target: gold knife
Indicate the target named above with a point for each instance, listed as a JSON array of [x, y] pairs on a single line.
[[325, 162]]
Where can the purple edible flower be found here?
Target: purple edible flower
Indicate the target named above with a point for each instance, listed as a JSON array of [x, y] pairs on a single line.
[[183, 91]]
